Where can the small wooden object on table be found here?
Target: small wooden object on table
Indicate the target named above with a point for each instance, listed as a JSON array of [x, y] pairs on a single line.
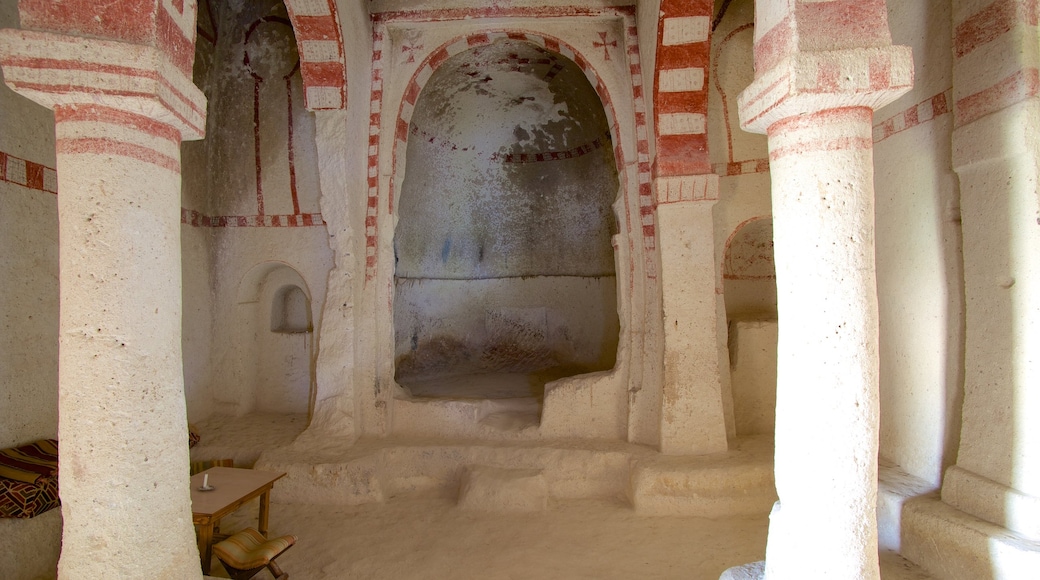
[[232, 487]]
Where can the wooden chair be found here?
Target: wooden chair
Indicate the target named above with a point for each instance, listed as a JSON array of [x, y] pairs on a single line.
[[247, 552]]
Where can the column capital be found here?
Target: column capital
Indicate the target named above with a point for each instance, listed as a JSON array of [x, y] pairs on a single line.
[[686, 188], [56, 70], [810, 82]]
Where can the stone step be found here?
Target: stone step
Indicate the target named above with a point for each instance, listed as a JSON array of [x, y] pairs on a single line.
[[953, 545], [321, 471], [491, 489], [375, 471], [895, 488]]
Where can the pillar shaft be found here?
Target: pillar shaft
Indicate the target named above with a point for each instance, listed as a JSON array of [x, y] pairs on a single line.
[[121, 412], [121, 111], [821, 71], [693, 410], [827, 376]]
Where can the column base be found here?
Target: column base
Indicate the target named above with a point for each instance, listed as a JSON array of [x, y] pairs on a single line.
[[752, 571], [957, 546]]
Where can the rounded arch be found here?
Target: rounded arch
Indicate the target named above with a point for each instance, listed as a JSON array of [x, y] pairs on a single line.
[[463, 43], [323, 64], [252, 283], [749, 251]]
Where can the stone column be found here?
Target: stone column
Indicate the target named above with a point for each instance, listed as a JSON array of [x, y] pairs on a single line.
[[996, 154], [695, 392], [692, 414], [816, 108], [121, 111]]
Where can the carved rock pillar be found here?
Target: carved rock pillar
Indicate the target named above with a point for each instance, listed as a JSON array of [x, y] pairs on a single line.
[[121, 109], [693, 400], [822, 68]]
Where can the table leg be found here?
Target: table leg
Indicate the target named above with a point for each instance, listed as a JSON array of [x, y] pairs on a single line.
[[265, 504], [206, 546]]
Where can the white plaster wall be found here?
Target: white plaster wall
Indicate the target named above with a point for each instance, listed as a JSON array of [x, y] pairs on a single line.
[[28, 273], [741, 161], [28, 319], [285, 362], [196, 325], [30, 547], [242, 378], [196, 251], [920, 288], [28, 314], [744, 195]]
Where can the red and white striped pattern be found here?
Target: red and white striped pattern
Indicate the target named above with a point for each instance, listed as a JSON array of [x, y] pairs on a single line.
[[815, 81], [322, 61], [167, 25], [681, 88], [679, 188], [996, 60], [61, 70], [741, 167], [99, 130]]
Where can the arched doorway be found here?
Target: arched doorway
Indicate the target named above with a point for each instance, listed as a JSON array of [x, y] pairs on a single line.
[[504, 274]]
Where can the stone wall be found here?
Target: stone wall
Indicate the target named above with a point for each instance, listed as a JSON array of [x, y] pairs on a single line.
[[28, 309], [919, 273], [251, 197], [28, 266]]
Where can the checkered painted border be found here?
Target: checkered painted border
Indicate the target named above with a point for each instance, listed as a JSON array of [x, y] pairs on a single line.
[[27, 174], [306, 220], [922, 112], [463, 43]]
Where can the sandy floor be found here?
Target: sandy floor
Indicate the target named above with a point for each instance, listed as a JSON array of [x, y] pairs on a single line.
[[430, 538]]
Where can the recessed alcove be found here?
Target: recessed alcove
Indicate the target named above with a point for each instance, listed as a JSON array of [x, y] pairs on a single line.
[[504, 274], [273, 353], [290, 311]]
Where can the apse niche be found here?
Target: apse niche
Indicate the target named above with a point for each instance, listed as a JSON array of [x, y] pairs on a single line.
[[504, 275]]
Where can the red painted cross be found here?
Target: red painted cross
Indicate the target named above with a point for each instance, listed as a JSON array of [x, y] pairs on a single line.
[[604, 45], [411, 49]]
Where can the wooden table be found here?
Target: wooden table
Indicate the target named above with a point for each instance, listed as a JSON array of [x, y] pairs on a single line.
[[232, 487]]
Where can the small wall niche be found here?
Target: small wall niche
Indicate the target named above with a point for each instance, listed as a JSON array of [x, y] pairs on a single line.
[[290, 311]]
